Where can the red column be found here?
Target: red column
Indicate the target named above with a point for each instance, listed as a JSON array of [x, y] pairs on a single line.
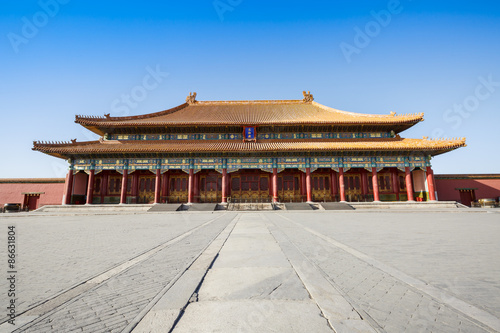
[[224, 185], [303, 184], [90, 187], [409, 185], [376, 196], [341, 184], [395, 183], [123, 194], [190, 186], [228, 187], [69, 188], [333, 180], [270, 179], [158, 186], [196, 187], [430, 183], [308, 184], [275, 185]]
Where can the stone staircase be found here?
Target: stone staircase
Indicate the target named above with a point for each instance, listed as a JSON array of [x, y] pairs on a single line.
[[85, 209], [299, 206], [243, 206], [165, 208], [336, 206]]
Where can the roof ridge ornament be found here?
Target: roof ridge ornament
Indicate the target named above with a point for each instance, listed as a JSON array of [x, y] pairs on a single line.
[[191, 99], [308, 97]]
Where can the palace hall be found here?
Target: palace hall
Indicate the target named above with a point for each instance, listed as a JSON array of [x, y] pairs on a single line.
[[249, 151]]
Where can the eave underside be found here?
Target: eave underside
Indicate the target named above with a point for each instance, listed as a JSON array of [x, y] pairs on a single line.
[[255, 154], [282, 153]]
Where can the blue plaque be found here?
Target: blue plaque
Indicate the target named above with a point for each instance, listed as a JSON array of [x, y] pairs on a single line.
[[249, 133]]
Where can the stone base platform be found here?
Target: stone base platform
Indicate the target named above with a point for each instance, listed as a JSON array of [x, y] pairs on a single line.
[[406, 205]]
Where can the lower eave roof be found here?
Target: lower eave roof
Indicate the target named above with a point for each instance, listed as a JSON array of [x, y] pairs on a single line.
[[64, 150]]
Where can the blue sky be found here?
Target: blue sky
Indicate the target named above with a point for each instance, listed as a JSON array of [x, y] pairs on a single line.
[[67, 57]]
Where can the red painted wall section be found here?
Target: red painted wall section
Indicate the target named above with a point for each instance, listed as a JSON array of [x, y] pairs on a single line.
[[10, 192], [485, 188]]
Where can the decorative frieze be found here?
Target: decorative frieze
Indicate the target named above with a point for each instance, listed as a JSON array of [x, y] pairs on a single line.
[[249, 163], [177, 136], [291, 162], [264, 163], [208, 163], [175, 163], [258, 136]]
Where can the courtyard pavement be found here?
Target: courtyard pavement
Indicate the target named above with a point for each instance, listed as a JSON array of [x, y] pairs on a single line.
[[277, 271]]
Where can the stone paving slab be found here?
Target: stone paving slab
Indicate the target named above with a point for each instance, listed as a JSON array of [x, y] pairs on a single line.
[[113, 304], [393, 304], [265, 272], [164, 313], [249, 285], [252, 283], [245, 242], [455, 252], [252, 316], [59, 252], [256, 258]]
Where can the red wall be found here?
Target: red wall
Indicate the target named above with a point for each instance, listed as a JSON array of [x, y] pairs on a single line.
[[486, 188], [10, 192]]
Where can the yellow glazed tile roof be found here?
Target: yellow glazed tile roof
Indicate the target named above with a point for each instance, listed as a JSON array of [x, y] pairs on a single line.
[[114, 146], [278, 112]]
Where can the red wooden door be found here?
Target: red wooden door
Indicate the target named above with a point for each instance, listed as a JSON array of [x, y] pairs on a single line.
[[466, 197], [33, 202]]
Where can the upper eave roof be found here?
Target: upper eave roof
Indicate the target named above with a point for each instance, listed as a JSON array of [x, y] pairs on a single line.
[[65, 150], [276, 112]]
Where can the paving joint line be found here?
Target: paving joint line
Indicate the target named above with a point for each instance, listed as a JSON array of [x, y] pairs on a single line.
[[158, 296], [478, 316], [136, 323], [99, 279], [182, 310], [363, 317], [363, 314]]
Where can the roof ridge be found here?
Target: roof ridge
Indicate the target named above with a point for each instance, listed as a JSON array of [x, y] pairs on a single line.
[[79, 118], [356, 114], [72, 143], [257, 101]]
